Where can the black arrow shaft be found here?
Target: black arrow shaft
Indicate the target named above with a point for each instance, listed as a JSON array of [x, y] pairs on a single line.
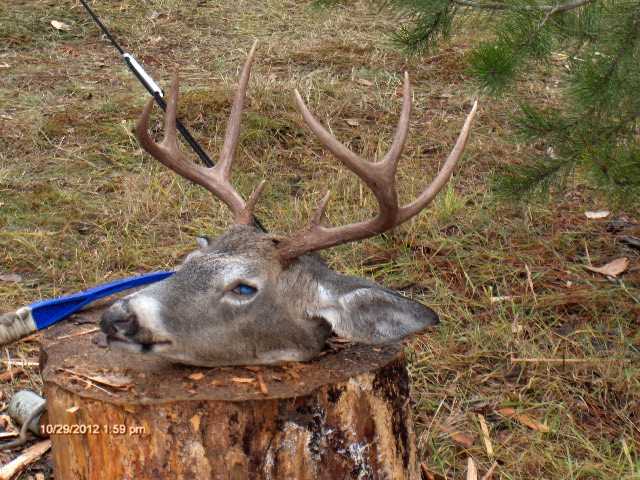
[[154, 90]]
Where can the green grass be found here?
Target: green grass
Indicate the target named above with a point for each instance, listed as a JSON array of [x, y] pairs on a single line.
[[80, 204]]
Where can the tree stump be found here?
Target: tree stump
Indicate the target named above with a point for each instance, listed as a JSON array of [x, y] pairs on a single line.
[[114, 415]]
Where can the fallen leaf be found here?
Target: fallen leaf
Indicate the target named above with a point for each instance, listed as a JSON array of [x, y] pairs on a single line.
[[430, 474], [472, 470], [597, 214], [9, 374], [11, 278], [73, 409], [243, 380], [463, 439], [60, 25], [524, 419], [611, 269], [365, 82], [352, 122], [196, 376]]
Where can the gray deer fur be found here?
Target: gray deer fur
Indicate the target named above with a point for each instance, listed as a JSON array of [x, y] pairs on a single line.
[[247, 297], [194, 317]]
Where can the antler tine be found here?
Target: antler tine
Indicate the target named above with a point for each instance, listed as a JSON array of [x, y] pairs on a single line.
[[167, 151], [349, 159], [429, 193], [233, 127], [392, 157], [215, 179], [379, 177]]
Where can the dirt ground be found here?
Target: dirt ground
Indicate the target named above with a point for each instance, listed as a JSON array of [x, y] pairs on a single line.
[[536, 364]]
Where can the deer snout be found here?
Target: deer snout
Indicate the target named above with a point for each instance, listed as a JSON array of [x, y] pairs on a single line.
[[120, 320]]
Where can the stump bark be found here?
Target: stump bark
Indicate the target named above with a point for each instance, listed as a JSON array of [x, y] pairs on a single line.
[[114, 415]]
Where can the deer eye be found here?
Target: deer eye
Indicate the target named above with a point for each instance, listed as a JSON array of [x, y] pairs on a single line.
[[244, 289]]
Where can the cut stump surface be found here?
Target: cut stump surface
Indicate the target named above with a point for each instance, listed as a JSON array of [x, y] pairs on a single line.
[[115, 415]]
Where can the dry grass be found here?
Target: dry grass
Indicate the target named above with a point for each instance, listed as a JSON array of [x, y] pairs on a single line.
[[80, 204]]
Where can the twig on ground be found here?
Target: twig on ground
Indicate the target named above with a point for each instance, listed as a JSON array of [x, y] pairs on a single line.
[[27, 457]]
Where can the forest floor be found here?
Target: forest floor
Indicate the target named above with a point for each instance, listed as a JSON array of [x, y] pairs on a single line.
[[543, 352]]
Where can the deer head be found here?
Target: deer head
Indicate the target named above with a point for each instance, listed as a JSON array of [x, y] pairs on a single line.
[[248, 297]]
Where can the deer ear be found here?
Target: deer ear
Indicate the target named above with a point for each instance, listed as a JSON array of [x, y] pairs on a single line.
[[203, 242], [367, 313]]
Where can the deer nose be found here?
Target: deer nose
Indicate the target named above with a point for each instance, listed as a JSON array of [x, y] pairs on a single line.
[[119, 319]]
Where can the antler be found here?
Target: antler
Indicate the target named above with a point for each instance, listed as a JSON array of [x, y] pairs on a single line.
[[379, 177], [215, 179]]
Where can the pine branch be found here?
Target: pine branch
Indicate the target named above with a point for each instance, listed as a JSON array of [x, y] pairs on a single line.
[[503, 6]]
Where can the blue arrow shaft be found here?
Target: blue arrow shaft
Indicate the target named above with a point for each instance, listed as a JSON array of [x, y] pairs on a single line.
[[48, 312]]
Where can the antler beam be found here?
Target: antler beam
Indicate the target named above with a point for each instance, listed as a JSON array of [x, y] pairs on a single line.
[[215, 179], [379, 177]]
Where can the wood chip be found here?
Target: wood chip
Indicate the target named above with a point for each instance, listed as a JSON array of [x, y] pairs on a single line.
[[597, 215], [21, 363], [196, 376], [472, 470], [611, 269], [58, 25], [27, 457], [524, 419], [73, 409], [243, 380], [504, 298], [195, 422], [352, 122], [261, 384]]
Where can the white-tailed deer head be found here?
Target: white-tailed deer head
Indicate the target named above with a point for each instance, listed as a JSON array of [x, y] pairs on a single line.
[[247, 297]]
